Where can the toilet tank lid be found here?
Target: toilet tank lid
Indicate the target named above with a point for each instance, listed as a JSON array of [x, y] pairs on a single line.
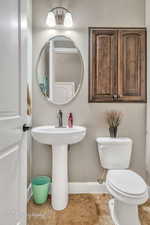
[[109, 140]]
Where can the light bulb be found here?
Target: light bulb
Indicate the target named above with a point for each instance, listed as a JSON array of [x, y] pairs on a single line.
[[50, 21], [68, 20]]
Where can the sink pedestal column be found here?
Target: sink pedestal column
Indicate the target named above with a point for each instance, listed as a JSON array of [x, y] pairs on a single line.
[[59, 176]]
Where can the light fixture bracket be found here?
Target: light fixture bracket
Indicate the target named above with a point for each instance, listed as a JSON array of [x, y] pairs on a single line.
[[59, 16]]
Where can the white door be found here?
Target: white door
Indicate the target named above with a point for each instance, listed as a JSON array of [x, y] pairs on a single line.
[[12, 112]]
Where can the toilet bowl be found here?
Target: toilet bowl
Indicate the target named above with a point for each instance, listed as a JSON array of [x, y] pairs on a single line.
[[127, 188]]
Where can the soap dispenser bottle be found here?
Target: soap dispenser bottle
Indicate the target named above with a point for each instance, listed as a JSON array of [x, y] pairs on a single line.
[[70, 120]]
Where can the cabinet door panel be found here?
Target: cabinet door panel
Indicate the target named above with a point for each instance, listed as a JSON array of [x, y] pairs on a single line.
[[103, 65], [131, 65]]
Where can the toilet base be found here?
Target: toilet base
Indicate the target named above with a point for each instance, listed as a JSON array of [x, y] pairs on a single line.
[[123, 214]]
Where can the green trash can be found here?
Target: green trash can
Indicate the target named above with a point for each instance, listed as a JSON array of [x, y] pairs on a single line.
[[40, 188]]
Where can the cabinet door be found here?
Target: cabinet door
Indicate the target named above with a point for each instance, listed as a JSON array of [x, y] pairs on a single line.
[[131, 65], [103, 65]]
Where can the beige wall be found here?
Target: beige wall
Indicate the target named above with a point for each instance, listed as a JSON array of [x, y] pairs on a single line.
[[83, 158]]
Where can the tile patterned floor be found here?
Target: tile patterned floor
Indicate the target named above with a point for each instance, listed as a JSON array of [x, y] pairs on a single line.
[[83, 209]]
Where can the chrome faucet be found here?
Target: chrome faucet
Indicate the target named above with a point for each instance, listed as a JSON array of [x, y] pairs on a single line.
[[60, 118]]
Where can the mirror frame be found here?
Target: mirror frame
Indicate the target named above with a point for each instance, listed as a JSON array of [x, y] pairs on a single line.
[[82, 72]]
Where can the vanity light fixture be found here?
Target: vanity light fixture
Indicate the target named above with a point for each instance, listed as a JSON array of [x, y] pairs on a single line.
[[50, 21], [59, 16]]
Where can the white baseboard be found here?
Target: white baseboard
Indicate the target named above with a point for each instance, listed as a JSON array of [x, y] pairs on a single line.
[[89, 187], [78, 188], [81, 188], [29, 192]]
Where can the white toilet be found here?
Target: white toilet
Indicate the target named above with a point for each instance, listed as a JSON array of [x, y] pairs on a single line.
[[127, 188]]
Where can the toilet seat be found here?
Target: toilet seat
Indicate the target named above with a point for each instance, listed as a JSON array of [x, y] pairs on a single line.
[[127, 186], [127, 182], [126, 194]]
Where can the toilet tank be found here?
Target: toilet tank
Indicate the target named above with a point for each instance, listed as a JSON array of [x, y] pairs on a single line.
[[114, 153]]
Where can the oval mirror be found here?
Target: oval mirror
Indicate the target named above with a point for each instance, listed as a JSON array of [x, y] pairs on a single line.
[[60, 70]]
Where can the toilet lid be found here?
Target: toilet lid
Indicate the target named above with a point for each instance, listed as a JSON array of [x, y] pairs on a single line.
[[127, 181]]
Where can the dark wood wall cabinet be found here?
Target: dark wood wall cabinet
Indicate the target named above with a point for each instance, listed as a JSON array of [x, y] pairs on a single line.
[[117, 65]]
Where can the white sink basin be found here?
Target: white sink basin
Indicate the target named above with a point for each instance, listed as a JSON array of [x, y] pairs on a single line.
[[59, 138], [51, 135]]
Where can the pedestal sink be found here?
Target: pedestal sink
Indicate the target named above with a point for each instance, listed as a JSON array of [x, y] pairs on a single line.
[[59, 138]]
